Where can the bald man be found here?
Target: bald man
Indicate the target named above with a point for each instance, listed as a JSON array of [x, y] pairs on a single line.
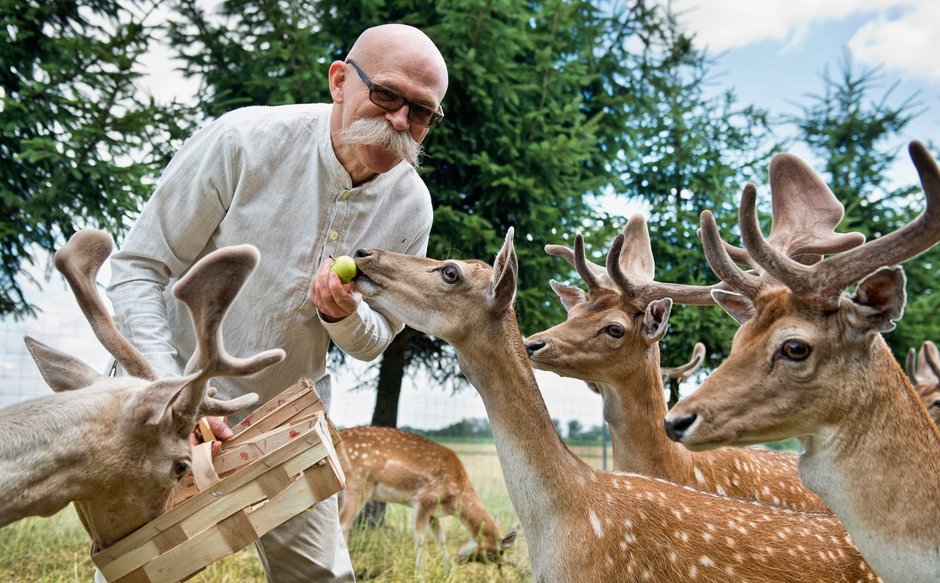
[[301, 183]]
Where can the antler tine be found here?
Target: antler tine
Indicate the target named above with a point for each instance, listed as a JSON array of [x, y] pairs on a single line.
[[568, 255], [79, 261], [836, 273], [614, 270], [789, 272], [208, 290], [805, 213], [910, 366], [582, 265], [721, 263]]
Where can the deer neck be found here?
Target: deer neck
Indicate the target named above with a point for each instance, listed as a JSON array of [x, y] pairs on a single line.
[[541, 474], [887, 434], [634, 408]]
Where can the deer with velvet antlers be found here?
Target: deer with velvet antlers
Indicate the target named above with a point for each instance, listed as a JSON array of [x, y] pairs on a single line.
[[390, 465], [809, 361], [611, 339], [117, 447], [582, 524]]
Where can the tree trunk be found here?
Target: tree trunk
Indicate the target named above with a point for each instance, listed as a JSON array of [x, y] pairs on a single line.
[[391, 373]]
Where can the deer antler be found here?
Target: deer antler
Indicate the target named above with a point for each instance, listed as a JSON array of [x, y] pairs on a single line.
[[630, 265], [597, 273], [925, 367], [804, 214], [825, 281], [208, 290], [79, 261], [682, 372]]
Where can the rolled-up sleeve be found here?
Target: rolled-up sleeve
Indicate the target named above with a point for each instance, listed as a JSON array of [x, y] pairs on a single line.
[[188, 204]]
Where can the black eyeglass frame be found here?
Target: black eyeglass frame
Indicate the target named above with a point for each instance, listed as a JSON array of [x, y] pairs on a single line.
[[434, 118]]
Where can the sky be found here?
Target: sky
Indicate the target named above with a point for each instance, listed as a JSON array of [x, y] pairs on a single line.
[[771, 52]]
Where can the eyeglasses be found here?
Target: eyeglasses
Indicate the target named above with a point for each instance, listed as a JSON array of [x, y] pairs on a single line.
[[390, 100]]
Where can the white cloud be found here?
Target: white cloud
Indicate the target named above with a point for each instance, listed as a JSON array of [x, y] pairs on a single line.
[[900, 34], [906, 44]]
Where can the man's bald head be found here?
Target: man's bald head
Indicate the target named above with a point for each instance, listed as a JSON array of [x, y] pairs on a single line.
[[389, 46]]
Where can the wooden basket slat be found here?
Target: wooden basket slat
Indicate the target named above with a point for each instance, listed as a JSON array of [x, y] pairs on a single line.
[[289, 394], [299, 396], [315, 485], [226, 497]]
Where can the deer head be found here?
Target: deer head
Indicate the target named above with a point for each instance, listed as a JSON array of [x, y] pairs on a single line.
[[122, 444], [795, 361], [623, 315], [459, 284]]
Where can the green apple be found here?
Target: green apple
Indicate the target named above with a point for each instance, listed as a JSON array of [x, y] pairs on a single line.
[[344, 267]]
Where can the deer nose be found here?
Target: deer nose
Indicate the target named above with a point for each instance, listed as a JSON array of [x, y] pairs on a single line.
[[676, 428], [533, 347], [362, 253]]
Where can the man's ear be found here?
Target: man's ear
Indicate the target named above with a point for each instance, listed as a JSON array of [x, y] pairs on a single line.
[[570, 296], [337, 78], [738, 306], [656, 319], [878, 302]]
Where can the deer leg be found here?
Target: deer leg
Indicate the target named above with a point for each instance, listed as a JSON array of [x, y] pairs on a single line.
[[438, 526], [422, 518]]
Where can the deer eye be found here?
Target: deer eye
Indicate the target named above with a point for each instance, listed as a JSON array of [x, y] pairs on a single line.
[[615, 330], [450, 274], [795, 350], [180, 468]]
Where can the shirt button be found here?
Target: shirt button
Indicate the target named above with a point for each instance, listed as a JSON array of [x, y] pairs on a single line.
[[345, 195], [333, 235]]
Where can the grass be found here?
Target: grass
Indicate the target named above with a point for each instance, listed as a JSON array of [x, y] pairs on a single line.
[[56, 549]]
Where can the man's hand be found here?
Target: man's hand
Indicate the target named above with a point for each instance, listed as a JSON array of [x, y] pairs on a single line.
[[334, 299], [220, 430]]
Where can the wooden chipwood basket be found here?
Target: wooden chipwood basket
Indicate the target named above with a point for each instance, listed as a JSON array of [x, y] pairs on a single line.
[[280, 462]]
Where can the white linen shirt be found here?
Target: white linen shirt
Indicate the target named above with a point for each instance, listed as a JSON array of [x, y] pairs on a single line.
[[267, 176]]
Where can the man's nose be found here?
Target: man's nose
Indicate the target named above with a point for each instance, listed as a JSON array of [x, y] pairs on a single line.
[[399, 119]]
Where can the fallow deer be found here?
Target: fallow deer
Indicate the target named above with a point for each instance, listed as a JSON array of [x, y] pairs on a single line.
[[117, 447], [810, 362], [391, 465], [611, 339], [924, 373], [583, 524]]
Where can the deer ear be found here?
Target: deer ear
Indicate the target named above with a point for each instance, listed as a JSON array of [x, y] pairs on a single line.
[[154, 403], [878, 301], [570, 296], [61, 371], [502, 289], [737, 305], [656, 319]]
